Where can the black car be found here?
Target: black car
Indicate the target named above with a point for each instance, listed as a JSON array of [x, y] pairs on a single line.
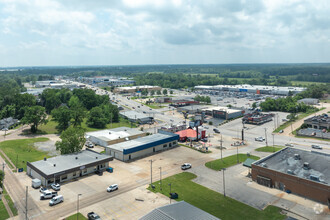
[[216, 130]]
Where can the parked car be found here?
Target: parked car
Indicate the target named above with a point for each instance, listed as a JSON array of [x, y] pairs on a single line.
[[259, 139], [56, 186], [216, 130], [93, 216], [185, 166], [89, 144], [43, 189], [56, 200], [47, 195], [281, 131], [316, 147], [113, 187]]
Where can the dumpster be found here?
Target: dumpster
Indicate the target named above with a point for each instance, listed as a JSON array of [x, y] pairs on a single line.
[[110, 169]]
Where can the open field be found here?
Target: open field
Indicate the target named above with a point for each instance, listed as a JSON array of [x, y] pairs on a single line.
[[50, 127], [20, 151], [269, 148], [228, 161], [211, 201]]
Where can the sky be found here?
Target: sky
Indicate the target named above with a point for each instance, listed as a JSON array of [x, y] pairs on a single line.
[[137, 32]]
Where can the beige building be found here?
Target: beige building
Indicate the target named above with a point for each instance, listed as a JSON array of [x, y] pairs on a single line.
[[132, 89]]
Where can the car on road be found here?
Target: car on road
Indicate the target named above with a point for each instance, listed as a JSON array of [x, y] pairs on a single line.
[[144, 112], [289, 145], [185, 166], [216, 130], [281, 131], [259, 139], [56, 186], [316, 147], [93, 216], [206, 127], [113, 187]]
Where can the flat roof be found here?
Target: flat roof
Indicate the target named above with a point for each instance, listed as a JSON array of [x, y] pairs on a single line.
[[226, 109], [194, 107], [178, 211], [115, 133], [252, 87], [135, 115], [69, 161], [144, 142], [284, 161], [137, 87]]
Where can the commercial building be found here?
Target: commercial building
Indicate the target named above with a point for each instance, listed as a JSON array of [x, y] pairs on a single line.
[[163, 99], [309, 101], [107, 81], [305, 173], [178, 211], [191, 134], [66, 167], [254, 89], [192, 109], [113, 136], [174, 128], [54, 84], [8, 122], [133, 89], [183, 102], [137, 117], [257, 118], [143, 146], [318, 122], [224, 112]]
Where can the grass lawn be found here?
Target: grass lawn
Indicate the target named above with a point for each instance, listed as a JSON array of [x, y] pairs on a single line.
[[228, 161], [300, 116], [10, 203], [269, 148], [155, 106], [74, 217], [50, 127], [212, 202], [3, 212], [25, 150], [304, 83]]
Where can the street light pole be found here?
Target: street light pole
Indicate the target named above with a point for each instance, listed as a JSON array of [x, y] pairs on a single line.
[[170, 184], [160, 177], [150, 172], [221, 146], [266, 136], [223, 180], [273, 144], [78, 204]]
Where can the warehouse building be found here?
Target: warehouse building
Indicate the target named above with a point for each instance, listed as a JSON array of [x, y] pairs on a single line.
[[137, 117], [66, 167], [257, 118], [254, 89], [192, 109], [309, 101], [113, 136], [297, 171], [143, 146], [133, 89]]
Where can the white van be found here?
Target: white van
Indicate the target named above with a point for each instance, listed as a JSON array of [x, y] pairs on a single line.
[[56, 200]]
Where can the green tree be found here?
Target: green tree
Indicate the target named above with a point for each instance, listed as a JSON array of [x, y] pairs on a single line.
[[78, 111], [254, 105], [2, 177], [72, 141], [152, 93], [62, 116], [159, 92], [96, 118], [171, 92], [35, 115], [165, 92]]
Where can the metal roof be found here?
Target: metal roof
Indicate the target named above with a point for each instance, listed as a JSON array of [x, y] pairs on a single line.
[[286, 161], [69, 161], [248, 162], [113, 134], [142, 143], [178, 211]]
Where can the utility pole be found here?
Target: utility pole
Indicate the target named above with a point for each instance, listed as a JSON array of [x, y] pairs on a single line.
[[221, 146], [170, 184], [223, 182], [266, 136], [26, 203], [16, 161], [160, 177], [78, 204], [273, 144], [237, 154], [150, 172]]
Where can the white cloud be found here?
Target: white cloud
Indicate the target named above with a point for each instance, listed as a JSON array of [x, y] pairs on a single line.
[[147, 31]]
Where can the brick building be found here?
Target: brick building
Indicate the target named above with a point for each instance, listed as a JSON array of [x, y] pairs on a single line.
[[301, 172]]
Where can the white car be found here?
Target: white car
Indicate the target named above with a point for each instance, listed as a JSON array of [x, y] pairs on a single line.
[[113, 187], [316, 147], [289, 145], [259, 139], [56, 186], [185, 166]]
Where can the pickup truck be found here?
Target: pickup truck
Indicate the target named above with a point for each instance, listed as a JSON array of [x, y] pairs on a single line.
[[48, 195], [93, 216]]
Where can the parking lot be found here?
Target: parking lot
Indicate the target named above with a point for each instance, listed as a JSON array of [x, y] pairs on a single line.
[[132, 179]]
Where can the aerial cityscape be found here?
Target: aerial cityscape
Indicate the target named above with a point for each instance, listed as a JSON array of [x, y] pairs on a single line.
[[172, 110]]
